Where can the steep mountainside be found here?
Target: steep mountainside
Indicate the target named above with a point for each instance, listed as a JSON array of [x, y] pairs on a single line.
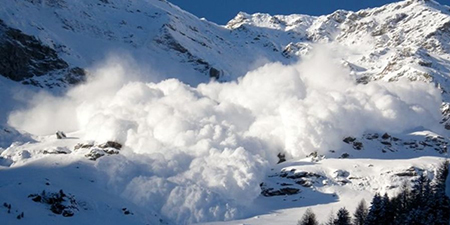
[[155, 33], [407, 39]]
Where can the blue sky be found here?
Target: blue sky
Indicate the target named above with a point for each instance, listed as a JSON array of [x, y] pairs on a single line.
[[221, 11]]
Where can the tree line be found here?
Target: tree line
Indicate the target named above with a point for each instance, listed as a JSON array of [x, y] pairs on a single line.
[[424, 204]]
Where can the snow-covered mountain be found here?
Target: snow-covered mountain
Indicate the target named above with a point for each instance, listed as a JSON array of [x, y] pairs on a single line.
[[155, 33], [408, 38], [356, 102]]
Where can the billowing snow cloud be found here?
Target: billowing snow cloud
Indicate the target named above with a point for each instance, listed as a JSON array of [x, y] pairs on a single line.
[[199, 153]]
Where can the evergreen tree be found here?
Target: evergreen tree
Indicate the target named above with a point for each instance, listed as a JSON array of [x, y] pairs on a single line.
[[389, 210], [360, 213], [421, 191], [309, 218], [442, 173], [420, 212], [425, 204], [401, 205], [331, 219], [376, 211], [440, 203], [343, 217]]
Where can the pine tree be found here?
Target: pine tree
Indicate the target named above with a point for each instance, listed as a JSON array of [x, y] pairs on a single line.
[[442, 173], [421, 212], [419, 192], [343, 217], [401, 205], [309, 218], [424, 204], [389, 210], [376, 211], [331, 219], [440, 203], [360, 213]]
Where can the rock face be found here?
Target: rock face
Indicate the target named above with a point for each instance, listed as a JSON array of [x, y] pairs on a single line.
[[23, 57], [389, 143]]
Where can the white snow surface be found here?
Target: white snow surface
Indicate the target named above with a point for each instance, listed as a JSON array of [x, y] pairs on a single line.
[[198, 152]]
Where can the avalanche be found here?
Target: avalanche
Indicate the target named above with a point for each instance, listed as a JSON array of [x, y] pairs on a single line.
[[209, 147]]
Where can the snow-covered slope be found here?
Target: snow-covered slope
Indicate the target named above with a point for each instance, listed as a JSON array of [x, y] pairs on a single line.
[[157, 34], [331, 184], [408, 39], [352, 100]]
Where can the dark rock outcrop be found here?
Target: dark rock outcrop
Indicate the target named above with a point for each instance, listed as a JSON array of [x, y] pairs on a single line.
[[23, 56], [269, 192], [214, 73], [111, 144], [97, 151], [60, 203], [60, 135]]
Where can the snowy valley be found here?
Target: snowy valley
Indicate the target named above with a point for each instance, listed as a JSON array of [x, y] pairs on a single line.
[[164, 118]]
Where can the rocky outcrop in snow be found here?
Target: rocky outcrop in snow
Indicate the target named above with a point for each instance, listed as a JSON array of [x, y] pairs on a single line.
[[23, 57]]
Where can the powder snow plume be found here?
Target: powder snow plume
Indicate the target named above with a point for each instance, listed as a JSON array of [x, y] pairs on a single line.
[[199, 153]]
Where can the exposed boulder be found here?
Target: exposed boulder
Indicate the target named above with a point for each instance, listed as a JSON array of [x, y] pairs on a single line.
[[97, 151], [60, 135], [127, 211], [386, 136], [215, 73], [348, 140], [95, 154], [281, 158], [358, 145], [111, 144]]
